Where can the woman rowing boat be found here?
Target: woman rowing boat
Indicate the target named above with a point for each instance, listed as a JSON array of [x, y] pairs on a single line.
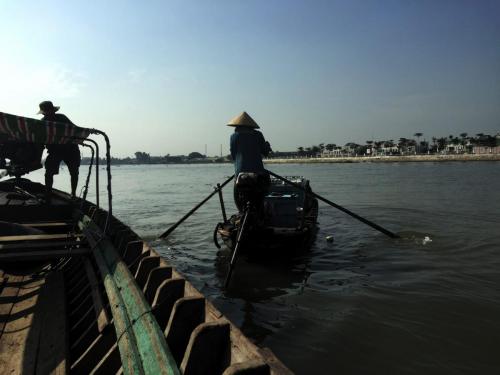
[[247, 148]]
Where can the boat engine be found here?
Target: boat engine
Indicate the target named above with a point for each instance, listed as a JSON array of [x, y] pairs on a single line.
[[251, 187]]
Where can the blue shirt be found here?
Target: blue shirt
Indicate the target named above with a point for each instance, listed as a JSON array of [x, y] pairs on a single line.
[[247, 148]]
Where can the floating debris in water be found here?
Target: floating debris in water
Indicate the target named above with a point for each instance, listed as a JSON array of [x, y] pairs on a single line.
[[329, 238]]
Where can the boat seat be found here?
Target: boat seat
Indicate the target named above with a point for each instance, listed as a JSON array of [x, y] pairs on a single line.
[[50, 227], [39, 237], [31, 247]]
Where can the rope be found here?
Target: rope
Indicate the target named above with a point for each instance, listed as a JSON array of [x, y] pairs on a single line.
[[216, 242], [132, 322]]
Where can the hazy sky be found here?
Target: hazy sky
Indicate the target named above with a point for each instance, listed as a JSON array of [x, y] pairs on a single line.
[[166, 76]]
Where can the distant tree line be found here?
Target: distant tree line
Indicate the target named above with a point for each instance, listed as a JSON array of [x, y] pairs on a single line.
[[145, 158], [405, 145], [390, 146]]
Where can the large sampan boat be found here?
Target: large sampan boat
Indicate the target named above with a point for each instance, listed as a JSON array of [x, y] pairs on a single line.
[[81, 293]]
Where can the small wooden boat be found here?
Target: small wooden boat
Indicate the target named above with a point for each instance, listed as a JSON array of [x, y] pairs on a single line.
[[81, 293], [288, 221]]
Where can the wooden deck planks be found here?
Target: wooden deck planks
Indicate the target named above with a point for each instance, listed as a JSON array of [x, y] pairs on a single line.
[[100, 311], [34, 334], [19, 336], [53, 345], [8, 296]]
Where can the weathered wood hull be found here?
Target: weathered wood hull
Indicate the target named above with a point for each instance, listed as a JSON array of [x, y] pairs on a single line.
[[76, 300]]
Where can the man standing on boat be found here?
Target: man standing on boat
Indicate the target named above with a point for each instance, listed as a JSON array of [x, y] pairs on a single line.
[[247, 148], [69, 153]]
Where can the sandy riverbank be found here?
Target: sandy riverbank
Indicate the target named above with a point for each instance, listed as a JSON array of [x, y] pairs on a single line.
[[390, 159]]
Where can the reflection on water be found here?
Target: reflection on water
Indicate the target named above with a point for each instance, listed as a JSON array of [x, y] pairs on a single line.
[[258, 280], [258, 283], [363, 303]]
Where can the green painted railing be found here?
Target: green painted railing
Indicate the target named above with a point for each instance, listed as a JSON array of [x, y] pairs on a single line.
[[142, 345]]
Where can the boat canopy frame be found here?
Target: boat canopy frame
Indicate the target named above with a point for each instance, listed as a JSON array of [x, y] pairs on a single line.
[[96, 148], [87, 181], [108, 170], [19, 129]]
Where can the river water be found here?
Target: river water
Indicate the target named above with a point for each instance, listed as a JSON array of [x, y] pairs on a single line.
[[363, 303]]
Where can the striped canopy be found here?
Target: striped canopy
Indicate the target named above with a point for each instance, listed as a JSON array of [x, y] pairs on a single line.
[[22, 129]]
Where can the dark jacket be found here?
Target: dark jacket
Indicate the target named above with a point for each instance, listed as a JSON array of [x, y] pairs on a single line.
[[247, 148]]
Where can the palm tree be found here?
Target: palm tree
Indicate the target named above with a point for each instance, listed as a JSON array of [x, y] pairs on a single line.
[[442, 143], [388, 144], [403, 142], [424, 145], [315, 150], [418, 135], [466, 142]]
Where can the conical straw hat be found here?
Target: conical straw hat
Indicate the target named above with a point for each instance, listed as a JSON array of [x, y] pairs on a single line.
[[243, 119]]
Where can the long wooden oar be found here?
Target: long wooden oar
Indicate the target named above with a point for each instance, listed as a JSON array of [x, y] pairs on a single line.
[[172, 228], [362, 219], [234, 254]]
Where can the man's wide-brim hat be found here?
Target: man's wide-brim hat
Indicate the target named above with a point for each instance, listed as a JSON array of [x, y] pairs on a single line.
[[47, 106], [243, 119]]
